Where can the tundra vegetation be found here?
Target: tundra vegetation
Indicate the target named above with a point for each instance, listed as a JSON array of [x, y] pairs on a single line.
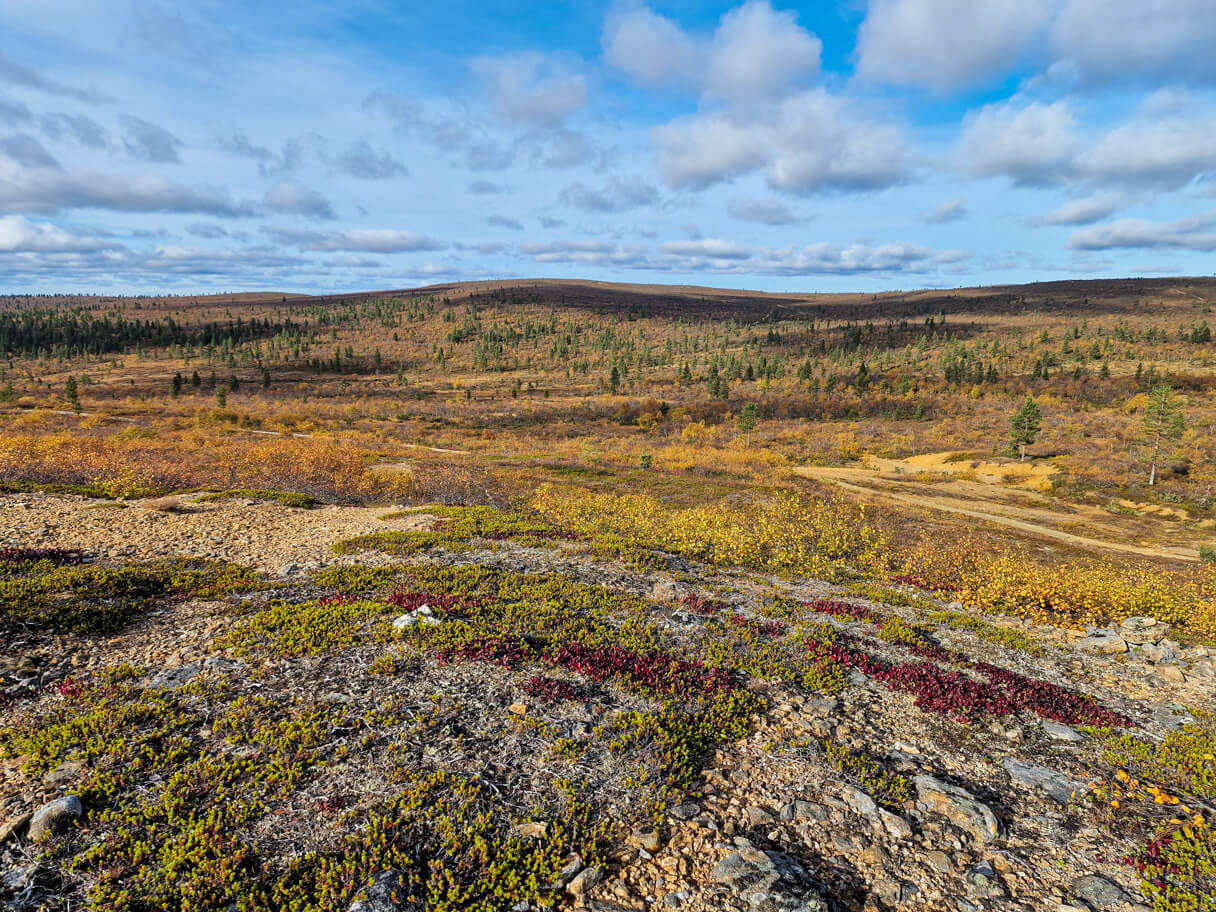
[[646, 558]]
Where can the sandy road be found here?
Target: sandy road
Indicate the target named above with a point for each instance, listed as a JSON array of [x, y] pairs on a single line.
[[1026, 519]]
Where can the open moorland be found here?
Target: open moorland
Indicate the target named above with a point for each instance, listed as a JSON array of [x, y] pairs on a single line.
[[521, 595]]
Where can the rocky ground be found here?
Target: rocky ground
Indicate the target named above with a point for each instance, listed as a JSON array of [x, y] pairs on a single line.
[[1003, 811]]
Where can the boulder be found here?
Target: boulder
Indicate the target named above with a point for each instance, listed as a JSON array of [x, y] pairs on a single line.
[[958, 805], [54, 817]]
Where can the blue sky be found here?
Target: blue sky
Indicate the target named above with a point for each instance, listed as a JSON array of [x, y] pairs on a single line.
[[862, 145]]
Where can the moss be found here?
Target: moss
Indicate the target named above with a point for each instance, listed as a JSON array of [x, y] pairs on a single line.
[[286, 498], [97, 599]]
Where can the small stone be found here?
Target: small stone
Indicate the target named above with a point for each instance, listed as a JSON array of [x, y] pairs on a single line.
[[685, 811], [758, 815], [860, 803], [405, 620], [381, 893], [533, 830], [584, 881], [647, 837], [958, 805], [14, 827], [1098, 891], [289, 570], [63, 773], [895, 825], [1103, 644], [1060, 787], [54, 817], [1058, 731], [1171, 673], [518, 709], [940, 862]]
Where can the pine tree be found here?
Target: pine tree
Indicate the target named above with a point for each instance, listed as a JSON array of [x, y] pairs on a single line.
[[71, 392], [1164, 423], [1024, 425], [749, 417]]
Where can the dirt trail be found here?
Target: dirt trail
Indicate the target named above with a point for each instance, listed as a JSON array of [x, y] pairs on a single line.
[[982, 505]]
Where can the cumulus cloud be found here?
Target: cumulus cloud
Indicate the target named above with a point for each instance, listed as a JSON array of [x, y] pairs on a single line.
[[49, 191], [1033, 143], [764, 211], [19, 234], [296, 199], [363, 162], [1086, 210], [950, 210], [532, 88], [811, 142], [1117, 40], [505, 221], [147, 141], [25, 150], [617, 195], [760, 53], [755, 52], [1195, 232], [366, 240], [484, 188], [944, 44], [713, 248], [77, 127], [727, 257], [1163, 153], [651, 48]]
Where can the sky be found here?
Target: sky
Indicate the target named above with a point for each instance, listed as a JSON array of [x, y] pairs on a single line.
[[861, 145]]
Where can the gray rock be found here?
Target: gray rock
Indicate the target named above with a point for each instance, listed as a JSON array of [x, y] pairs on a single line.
[[1098, 891], [982, 882], [758, 815], [1058, 731], [64, 773], [940, 862], [405, 620], [685, 811], [958, 805], [584, 881], [1103, 644], [54, 817], [382, 894], [748, 869], [895, 825], [859, 802], [1060, 787], [14, 827], [173, 678], [289, 570]]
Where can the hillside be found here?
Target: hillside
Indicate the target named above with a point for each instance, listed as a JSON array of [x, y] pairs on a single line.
[[520, 595]]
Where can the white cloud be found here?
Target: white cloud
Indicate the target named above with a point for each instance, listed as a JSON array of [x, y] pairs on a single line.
[[147, 141], [49, 191], [760, 53], [809, 143], [531, 88], [713, 248], [1194, 232], [617, 195], [296, 199], [764, 211], [1086, 210], [950, 210], [651, 48], [21, 235], [1033, 143], [1164, 153], [945, 44], [755, 53], [366, 240], [1117, 40]]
